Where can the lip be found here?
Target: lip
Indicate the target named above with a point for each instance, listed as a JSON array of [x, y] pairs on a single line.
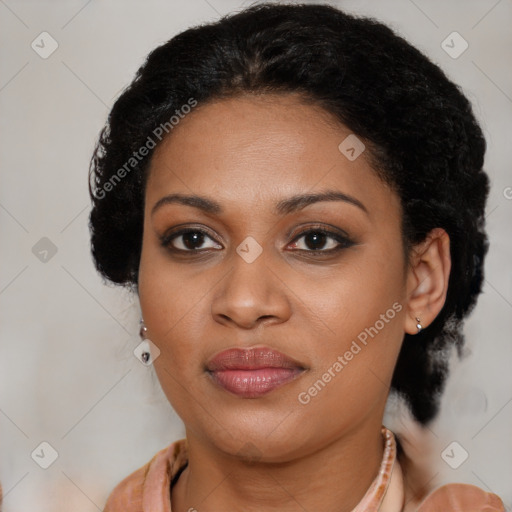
[[252, 372]]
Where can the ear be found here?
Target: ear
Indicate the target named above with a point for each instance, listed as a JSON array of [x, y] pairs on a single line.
[[427, 279]]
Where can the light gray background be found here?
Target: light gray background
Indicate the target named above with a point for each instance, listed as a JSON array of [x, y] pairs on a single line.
[[68, 375]]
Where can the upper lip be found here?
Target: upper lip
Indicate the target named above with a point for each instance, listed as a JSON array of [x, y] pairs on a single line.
[[250, 359]]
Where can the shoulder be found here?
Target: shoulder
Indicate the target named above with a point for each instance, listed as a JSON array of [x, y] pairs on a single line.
[[148, 483], [461, 498], [127, 494]]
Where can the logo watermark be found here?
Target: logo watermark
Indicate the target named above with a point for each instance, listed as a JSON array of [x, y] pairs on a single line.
[[137, 156], [341, 361]]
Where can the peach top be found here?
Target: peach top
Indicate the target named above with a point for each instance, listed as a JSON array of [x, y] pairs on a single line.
[[148, 489]]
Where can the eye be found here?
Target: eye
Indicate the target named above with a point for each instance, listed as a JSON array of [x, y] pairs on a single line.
[[320, 240], [188, 240], [315, 240]]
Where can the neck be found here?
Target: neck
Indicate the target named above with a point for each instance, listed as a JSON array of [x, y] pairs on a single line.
[[333, 478]]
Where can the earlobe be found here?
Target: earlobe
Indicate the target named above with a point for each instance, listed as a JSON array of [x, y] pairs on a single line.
[[427, 280]]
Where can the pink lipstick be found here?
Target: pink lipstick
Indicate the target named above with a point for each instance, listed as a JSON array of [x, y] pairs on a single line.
[[251, 373]]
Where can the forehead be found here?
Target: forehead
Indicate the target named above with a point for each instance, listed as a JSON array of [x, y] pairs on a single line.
[[255, 148]]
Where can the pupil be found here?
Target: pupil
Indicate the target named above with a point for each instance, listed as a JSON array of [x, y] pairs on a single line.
[[317, 238], [194, 237]]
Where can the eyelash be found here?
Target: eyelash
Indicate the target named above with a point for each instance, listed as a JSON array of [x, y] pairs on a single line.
[[343, 240]]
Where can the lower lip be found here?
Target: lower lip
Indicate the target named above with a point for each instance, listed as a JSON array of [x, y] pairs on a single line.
[[254, 383]]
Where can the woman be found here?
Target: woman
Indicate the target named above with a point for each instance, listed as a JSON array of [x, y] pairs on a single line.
[[297, 197]]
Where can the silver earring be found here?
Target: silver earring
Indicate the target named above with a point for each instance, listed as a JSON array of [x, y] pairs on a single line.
[[418, 325], [143, 329], [145, 355]]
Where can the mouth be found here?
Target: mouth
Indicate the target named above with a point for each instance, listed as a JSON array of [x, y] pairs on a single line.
[[254, 372]]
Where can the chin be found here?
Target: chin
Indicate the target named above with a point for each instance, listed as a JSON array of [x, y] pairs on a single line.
[[259, 437]]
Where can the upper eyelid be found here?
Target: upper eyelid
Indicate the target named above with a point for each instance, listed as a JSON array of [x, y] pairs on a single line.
[[167, 237], [331, 231]]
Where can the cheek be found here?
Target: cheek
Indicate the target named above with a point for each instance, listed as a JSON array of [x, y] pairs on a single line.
[[175, 306], [174, 312], [363, 307], [355, 295]]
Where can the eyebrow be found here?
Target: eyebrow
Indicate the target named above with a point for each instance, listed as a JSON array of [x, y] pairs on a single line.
[[283, 207]]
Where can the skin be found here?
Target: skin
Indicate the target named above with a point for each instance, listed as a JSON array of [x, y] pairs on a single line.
[[274, 453]]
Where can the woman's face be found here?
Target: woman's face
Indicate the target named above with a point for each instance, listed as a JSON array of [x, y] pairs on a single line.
[[251, 266]]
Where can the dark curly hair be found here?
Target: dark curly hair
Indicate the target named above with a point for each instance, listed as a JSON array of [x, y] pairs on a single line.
[[422, 137]]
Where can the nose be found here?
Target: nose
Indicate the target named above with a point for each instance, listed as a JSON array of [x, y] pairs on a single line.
[[251, 294]]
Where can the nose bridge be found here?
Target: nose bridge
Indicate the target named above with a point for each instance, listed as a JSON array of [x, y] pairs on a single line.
[[248, 282], [250, 290]]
